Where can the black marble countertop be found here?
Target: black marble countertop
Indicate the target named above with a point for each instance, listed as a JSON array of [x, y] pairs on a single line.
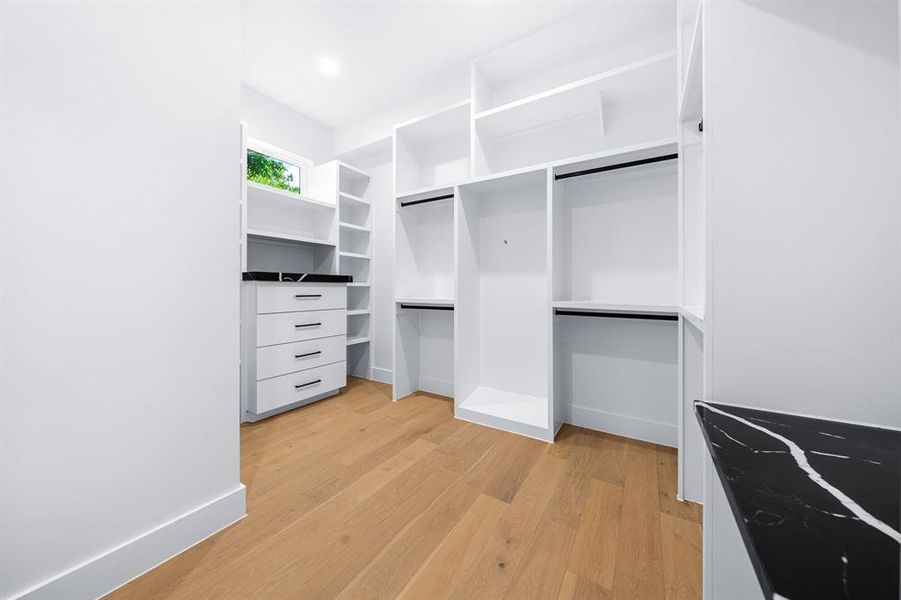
[[818, 502], [295, 277]]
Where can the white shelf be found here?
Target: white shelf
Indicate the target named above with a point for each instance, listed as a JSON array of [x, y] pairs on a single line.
[[353, 198], [509, 406], [691, 105], [353, 173], [275, 235], [694, 315], [425, 301], [354, 255], [353, 227], [358, 284], [641, 80], [357, 340], [354, 313], [595, 306], [264, 192]]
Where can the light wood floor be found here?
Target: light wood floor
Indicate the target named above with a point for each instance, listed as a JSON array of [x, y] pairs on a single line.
[[358, 497]]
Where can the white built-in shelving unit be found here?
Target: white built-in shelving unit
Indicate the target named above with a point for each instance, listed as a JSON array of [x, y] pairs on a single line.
[[549, 233], [355, 259], [325, 229]]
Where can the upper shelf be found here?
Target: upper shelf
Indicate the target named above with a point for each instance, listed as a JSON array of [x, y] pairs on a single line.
[[641, 80], [289, 237], [271, 194]]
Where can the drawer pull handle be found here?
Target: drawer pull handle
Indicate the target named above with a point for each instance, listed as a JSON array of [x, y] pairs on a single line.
[[308, 295], [303, 385], [309, 325], [308, 354]]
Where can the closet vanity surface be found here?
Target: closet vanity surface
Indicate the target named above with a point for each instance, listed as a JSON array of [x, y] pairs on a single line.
[[295, 277], [816, 501]]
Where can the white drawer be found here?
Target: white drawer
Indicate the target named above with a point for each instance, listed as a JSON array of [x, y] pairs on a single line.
[[287, 297], [280, 328], [287, 389], [287, 358]]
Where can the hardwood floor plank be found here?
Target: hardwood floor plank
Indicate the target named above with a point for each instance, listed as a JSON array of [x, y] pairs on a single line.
[[639, 562], [441, 572], [577, 588], [492, 572], [594, 551], [681, 557]]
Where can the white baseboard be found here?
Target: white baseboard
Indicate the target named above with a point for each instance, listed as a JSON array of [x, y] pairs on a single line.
[[382, 375], [433, 385], [657, 432], [117, 566]]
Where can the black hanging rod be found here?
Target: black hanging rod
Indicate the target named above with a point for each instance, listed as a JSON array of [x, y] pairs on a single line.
[[424, 200], [625, 165], [615, 315], [426, 307]]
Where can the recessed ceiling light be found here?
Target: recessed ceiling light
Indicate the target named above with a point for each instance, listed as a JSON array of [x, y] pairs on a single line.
[[328, 66]]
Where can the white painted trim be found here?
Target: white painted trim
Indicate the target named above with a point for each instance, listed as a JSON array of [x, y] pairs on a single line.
[[383, 375], [433, 385], [656, 432], [114, 568]]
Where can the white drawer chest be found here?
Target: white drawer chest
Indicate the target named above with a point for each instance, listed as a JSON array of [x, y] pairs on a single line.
[[293, 344]]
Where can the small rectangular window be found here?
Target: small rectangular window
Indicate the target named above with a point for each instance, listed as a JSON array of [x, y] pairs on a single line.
[[274, 172]]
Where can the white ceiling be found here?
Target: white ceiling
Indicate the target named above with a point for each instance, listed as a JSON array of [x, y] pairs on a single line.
[[383, 48]]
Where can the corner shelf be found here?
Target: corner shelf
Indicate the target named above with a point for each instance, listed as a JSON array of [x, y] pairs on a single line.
[[357, 340], [423, 301], [356, 255], [358, 284], [694, 315], [354, 313], [276, 195], [352, 227], [276, 235], [352, 198]]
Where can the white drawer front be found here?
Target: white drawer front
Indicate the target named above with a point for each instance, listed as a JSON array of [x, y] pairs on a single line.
[[288, 389], [287, 297], [280, 328], [287, 358]]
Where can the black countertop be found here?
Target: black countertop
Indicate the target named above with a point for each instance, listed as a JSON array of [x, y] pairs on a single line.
[[818, 502], [295, 277]]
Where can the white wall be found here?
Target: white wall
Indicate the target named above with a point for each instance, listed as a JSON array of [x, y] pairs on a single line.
[[119, 266], [429, 96], [802, 139], [274, 123]]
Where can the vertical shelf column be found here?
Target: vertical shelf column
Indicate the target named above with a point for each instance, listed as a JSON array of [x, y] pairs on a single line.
[[355, 259]]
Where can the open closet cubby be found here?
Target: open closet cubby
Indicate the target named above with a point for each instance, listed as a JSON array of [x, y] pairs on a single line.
[[424, 292], [433, 151], [616, 294], [278, 214], [424, 348], [424, 246], [503, 297]]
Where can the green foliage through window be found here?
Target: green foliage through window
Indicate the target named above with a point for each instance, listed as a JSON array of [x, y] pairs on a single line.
[[272, 172]]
